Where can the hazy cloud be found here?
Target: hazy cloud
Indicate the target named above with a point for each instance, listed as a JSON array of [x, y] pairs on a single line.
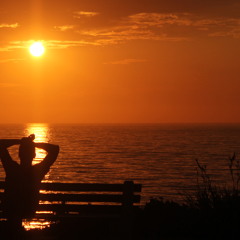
[[181, 26], [5, 25], [229, 28], [58, 44], [127, 61], [140, 26], [159, 19], [64, 28], [184, 19], [11, 60], [50, 44], [136, 27], [13, 45], [234, 33], [80, 14]]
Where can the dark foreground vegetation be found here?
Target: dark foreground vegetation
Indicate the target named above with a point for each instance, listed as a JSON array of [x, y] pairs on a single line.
[[210, 212]]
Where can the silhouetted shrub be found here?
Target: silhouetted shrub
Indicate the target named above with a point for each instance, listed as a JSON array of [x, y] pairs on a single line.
[[210, 212], [218, 207]]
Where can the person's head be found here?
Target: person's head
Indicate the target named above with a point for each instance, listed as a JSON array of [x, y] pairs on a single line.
[[27, 151]]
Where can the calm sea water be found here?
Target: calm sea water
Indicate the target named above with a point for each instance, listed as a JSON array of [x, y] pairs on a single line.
[[161, 157]]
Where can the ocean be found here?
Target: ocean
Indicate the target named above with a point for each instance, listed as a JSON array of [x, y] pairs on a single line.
[[161, 157]]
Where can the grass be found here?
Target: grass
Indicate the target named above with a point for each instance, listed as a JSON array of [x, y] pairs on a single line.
[[211, 196]]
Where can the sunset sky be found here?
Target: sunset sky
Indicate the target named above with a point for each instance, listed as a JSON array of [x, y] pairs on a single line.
[[120, 61]]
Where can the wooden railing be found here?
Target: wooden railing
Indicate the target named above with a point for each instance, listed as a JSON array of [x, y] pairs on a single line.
[[58, 200]]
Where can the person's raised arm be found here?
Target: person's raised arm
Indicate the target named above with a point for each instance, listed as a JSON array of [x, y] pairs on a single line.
[[52, 153], [5, 143], [4, 154]]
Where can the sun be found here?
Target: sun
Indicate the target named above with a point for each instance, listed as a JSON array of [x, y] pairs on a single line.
[[37, 49]]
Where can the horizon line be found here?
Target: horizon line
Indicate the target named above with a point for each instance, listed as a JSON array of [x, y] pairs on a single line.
[[114, 123]]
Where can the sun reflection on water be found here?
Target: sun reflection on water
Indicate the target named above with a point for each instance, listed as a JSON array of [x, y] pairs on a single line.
[[42, 134], [36, 224]]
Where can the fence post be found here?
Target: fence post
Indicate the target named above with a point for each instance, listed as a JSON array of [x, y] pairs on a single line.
[[128, 195]]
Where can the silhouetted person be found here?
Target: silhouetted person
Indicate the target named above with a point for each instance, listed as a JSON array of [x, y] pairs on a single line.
[[23, 180]]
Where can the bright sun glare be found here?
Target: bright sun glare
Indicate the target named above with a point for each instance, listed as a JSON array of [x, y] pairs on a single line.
[[37, 49]]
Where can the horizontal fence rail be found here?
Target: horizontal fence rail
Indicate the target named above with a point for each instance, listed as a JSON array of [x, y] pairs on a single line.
[[83, 187], [83, 199]]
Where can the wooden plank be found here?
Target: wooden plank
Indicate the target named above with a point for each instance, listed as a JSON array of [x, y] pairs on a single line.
[[74, 216], [84, 187], [83, 209], [80, 197], [85, 197]]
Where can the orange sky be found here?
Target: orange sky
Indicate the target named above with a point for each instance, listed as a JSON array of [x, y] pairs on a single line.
[[138, 61]]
